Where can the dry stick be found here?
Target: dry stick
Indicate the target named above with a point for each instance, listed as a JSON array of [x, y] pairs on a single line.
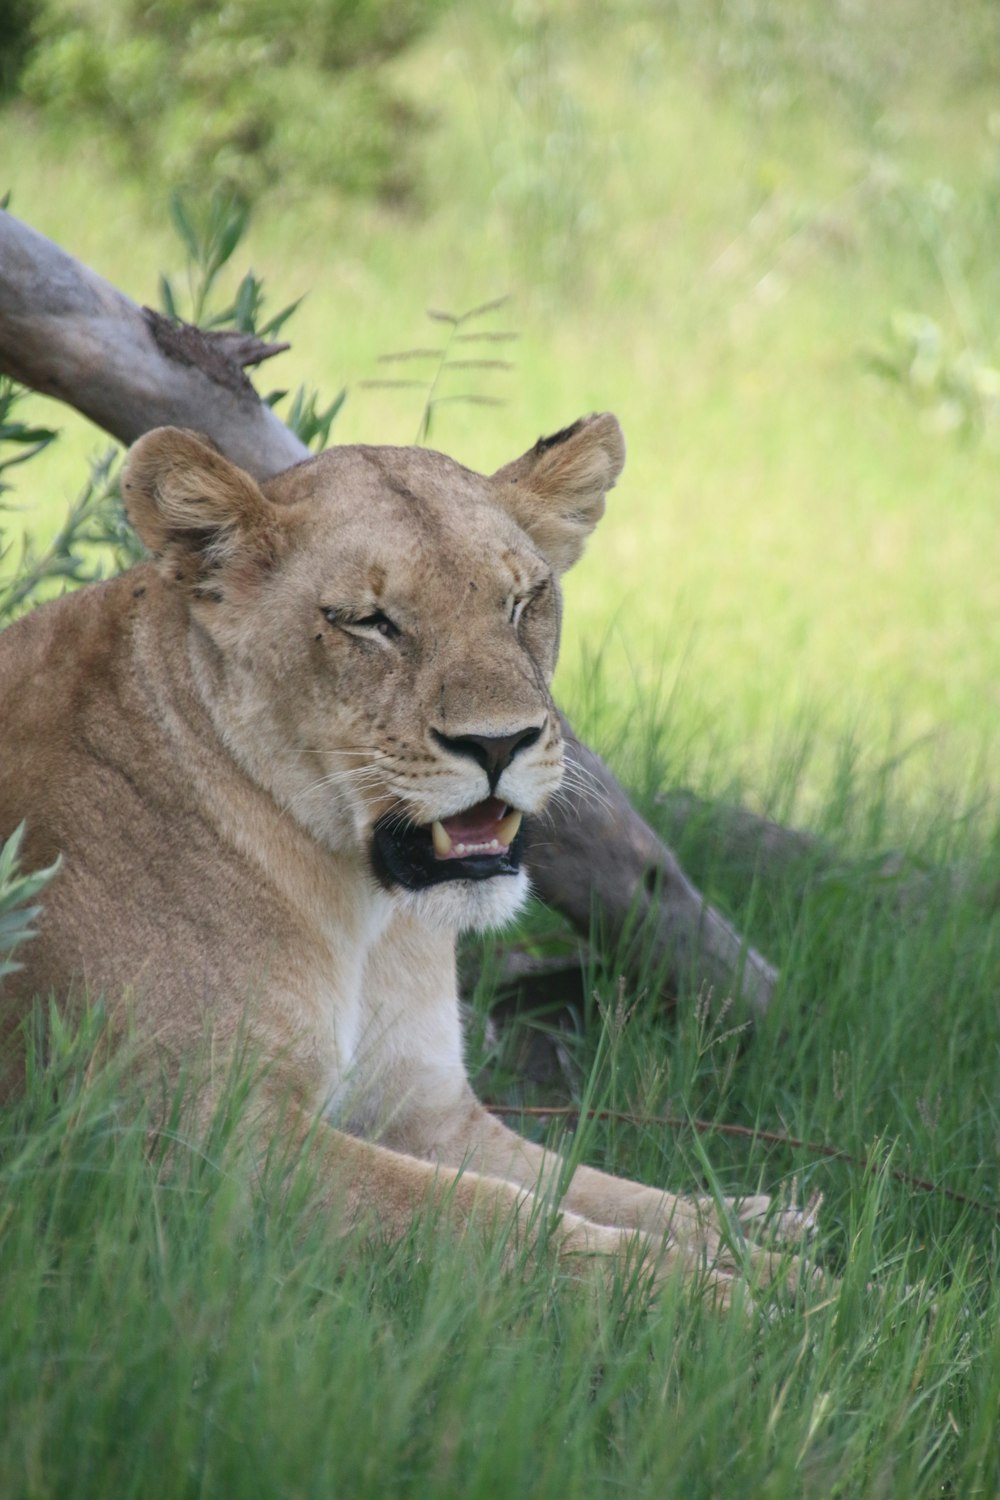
[[67, 333], [742, 1132]]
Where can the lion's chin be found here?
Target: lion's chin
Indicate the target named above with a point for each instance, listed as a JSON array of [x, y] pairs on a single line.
[[467, 905]]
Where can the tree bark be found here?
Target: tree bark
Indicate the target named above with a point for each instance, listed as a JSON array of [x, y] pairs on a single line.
[[596, 857], [67, 333]]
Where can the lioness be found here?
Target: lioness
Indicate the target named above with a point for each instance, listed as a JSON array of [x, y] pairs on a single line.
[[283, 763]]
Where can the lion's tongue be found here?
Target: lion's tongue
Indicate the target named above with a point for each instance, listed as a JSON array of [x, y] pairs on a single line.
[[487, 828]]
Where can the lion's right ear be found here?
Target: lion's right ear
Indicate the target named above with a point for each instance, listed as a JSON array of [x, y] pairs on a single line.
[[194, 508]]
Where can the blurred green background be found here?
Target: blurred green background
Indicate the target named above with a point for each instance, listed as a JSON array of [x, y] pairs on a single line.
[[764, 232]]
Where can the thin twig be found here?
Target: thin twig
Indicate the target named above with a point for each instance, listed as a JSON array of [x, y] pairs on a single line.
[[742, 1132]]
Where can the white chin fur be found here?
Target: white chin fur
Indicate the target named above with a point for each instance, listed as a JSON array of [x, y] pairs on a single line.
[[468, 905]]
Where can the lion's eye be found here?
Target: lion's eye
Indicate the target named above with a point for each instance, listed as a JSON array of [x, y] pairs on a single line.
[[519, 604], [380, 622], [377, 623]]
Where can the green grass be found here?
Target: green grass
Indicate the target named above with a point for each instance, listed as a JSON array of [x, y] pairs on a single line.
[[706, 222], [185, 1334]]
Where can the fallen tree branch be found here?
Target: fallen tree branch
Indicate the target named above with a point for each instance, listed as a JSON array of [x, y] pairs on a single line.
[[67, 333], [594, 856], [746, 842], [747, 845]]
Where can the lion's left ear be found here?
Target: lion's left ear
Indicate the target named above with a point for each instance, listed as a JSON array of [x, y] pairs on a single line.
[[556, 490]]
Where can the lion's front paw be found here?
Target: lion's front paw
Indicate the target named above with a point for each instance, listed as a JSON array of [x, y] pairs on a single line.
[[704, 1245], [771, 1276], [630, 1258], [781, 1220], [774, 1220], [726, 1242]]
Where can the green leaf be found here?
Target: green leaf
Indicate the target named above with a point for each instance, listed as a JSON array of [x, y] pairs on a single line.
[[246, 303], [275, 324], [18, 910], [232, 231], [182, 223], [309, 424], [167, 300]]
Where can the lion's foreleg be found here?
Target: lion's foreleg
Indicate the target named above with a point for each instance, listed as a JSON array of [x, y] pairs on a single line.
[[469, 1135], [373, 1188]]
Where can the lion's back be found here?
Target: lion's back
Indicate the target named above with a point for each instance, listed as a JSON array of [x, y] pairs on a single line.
[[150, 905], [60, 706], [57, 671]]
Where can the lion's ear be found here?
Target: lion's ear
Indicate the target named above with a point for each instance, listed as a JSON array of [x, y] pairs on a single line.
[[193, 507], [556, 490]]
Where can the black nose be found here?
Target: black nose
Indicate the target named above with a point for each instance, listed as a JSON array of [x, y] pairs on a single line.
[[494, 752]]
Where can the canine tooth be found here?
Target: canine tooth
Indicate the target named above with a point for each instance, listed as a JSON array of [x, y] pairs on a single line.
[[508, 826], [441, 839]]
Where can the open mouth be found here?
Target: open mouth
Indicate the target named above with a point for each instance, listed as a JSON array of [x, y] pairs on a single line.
[[483, 841]]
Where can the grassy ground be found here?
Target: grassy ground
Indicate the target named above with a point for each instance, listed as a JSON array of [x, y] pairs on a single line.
[[707, 217], [186, 1336]]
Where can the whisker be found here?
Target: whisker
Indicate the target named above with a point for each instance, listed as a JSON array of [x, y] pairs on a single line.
[[581, 772], [577, 778], [582, 777], [354, 775], [402, 817], [559, 799], [329, 781], [368, 754]]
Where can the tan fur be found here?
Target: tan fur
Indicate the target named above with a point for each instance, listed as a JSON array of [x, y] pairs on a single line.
[[209, 753]]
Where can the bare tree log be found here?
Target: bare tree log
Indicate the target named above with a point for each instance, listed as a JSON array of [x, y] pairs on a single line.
[[747, 843], [67, 333], [597, 856]]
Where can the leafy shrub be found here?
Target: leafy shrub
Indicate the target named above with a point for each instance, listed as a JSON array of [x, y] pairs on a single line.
[[17, 891], [247, 93], [15, 41], [19, 442], [957, 387]]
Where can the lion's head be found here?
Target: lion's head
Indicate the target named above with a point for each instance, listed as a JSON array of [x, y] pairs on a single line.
[[375, 631]]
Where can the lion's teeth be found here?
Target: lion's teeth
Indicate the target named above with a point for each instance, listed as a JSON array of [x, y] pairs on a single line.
[[445, 845], [508, 826], [440, 839]]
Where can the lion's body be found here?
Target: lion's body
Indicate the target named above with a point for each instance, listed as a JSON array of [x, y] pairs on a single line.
[[257, 757], [183, 884]]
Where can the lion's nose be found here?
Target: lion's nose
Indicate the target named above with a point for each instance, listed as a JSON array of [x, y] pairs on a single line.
[[494, 752]]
